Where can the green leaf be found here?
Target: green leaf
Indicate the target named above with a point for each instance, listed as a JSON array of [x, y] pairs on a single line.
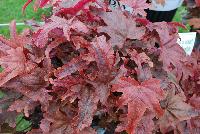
[[22, 124], [1, 69], [1, 94]]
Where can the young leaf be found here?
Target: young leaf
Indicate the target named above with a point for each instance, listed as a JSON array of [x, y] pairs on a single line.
[[74, 7]]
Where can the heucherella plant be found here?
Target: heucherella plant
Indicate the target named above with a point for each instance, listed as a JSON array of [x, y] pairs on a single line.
[[92, 68]]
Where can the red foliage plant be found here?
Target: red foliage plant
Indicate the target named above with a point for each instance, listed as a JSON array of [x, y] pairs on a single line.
[[91, 67]]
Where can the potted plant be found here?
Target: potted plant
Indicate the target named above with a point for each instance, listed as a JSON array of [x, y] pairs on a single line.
[[95, 69]]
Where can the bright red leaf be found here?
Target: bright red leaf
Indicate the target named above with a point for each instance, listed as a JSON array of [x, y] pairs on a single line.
[[75, 7]]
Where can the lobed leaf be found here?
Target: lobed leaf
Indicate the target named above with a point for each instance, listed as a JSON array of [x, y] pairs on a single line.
[[119, 32], [139, 97], [41, 37]]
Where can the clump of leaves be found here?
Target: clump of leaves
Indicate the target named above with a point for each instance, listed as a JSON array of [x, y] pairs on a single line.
[[91, 67]]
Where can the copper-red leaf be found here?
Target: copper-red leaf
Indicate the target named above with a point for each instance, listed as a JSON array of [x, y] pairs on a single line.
[[14, 64], [119, 32], [73, 10], [103, 53], [87, 107], [41, 36], [74, 65], [137, 5], [139, 97], [176, 110]]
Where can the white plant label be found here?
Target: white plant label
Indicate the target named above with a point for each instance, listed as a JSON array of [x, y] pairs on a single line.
[[116, 4], [187, 41]]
